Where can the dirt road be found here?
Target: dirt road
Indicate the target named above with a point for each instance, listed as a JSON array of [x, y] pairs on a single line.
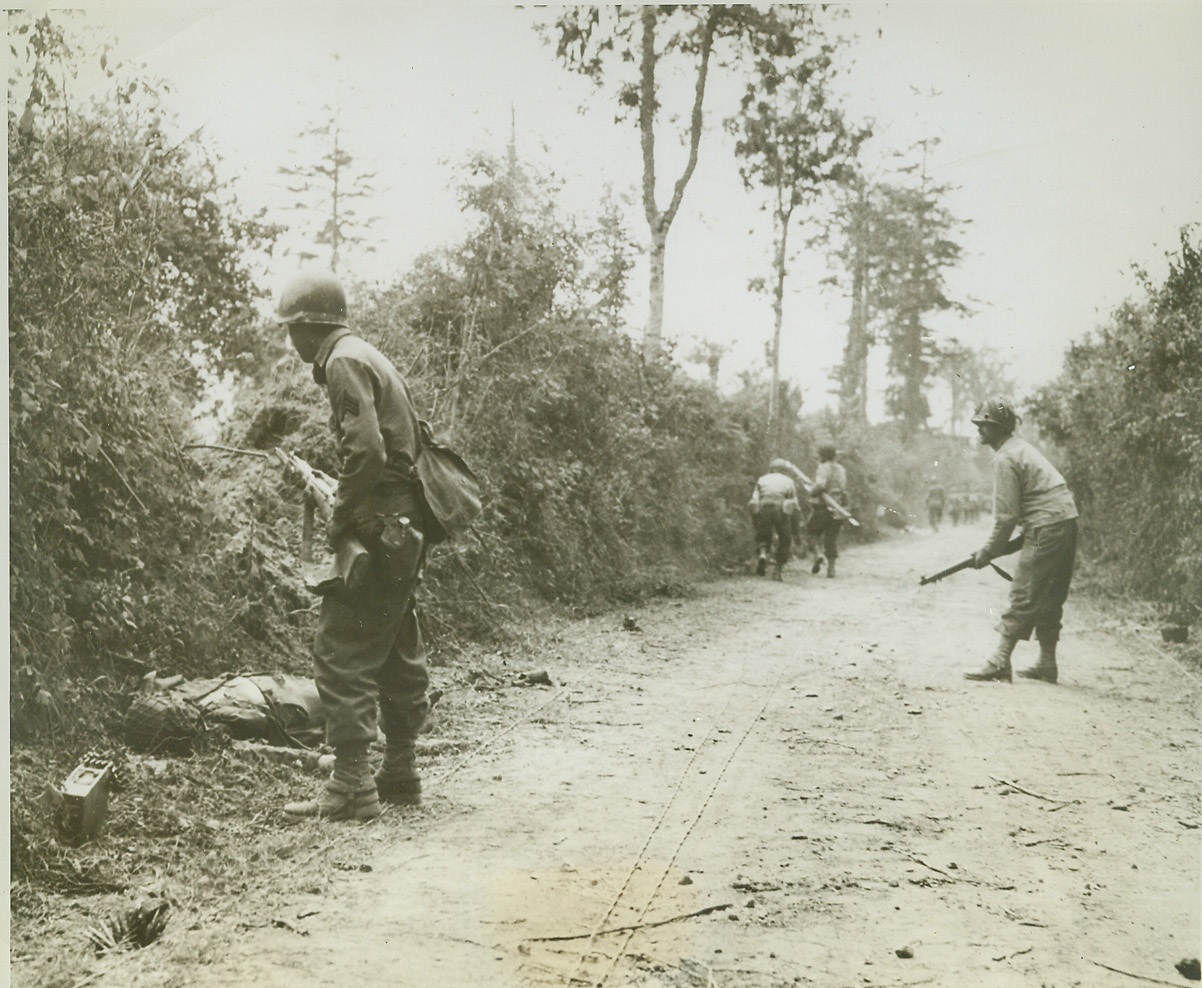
[[802, 766]]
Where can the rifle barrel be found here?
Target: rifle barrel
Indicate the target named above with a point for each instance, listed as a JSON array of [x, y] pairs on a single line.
[[963, 564]]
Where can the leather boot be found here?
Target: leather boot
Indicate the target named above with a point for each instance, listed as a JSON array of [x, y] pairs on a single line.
[[761, 563], [349, 795], [818, 561], [997, 669], [777, 572], [337, 802], [398, 780], [830, 569], [1045, 669]]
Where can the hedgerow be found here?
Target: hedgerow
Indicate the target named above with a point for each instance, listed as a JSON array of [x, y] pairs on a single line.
[[1127, 412]]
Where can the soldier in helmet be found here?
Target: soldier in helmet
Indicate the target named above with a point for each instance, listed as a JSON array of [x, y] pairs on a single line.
[[368, 654], [823, 524], [1030, 493], [774, 509]]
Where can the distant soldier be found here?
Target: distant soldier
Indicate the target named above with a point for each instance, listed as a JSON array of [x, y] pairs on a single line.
[[774, 510], [824, 524], [936, 500], [953, 508], [1028, 492]]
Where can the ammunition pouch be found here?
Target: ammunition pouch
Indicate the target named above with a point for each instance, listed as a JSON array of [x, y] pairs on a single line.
[[398, 551]]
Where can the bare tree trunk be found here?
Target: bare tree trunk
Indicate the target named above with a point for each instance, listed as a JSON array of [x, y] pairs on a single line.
[[660, 222], [853, 383], [782, 217], [653, 338]]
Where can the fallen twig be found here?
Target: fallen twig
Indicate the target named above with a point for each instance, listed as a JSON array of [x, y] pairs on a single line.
[[1015, 785], [1138, 977], [956, 878], [806, 737], [635, 926], [1006, 957]]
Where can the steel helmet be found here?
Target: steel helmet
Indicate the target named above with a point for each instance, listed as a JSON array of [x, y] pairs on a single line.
[[312, 297], [826, 451], [999, 411], [779, 466]]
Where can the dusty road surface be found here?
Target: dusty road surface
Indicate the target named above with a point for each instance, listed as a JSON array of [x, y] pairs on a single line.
[[773, 785]]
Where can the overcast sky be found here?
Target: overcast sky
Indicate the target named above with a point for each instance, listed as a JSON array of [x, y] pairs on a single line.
[[1072, 133]]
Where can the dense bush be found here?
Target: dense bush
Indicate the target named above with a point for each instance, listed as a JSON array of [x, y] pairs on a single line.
[[1127, 411], [124, 264], [604, 479]]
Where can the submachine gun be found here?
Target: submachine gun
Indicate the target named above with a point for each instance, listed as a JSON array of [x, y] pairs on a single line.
[[1012, 546], [352, 562], [351, 558]]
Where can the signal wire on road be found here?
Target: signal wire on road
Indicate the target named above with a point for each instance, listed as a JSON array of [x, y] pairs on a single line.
[[632, 929]]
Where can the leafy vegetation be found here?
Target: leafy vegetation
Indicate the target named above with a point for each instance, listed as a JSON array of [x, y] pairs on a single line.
[[126, 279], [607, 477], [1127, 412]]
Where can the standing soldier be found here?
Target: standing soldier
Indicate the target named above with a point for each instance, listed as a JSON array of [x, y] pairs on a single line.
[[368, 647], [773, 509], [824, 524], [936, 498], [1028, 492]]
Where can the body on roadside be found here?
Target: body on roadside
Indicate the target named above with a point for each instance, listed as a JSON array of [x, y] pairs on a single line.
[[369, 660], [1031, 494]]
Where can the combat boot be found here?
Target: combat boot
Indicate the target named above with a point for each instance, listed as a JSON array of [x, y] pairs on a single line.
[[398, 780], [830, 569], [777, 572], [339, 802], [1045, 669], [997, 669], [818, 561], [761, 563], [349, 795]]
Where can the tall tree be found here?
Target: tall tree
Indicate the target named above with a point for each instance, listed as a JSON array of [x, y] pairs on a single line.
[[970, 375], [793, 142], [633, 48], [858, 253], [911, 287], [328, 184]]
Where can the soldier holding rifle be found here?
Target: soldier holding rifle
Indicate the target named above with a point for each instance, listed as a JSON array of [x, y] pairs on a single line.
[[830, 485], [1030, 493], [368, 649]]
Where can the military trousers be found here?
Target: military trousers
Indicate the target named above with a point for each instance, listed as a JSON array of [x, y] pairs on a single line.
[[369, 656], [1041, 582], [771, 520], [823, 527]]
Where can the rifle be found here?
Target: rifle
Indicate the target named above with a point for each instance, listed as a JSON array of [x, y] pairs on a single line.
[[808, 484], [1012, 546], [351, 559]]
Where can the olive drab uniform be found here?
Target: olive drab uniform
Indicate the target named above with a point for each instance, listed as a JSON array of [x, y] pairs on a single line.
[[773, 508], [824, 524], [936, 500], [369, 647], [1031, 493]]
